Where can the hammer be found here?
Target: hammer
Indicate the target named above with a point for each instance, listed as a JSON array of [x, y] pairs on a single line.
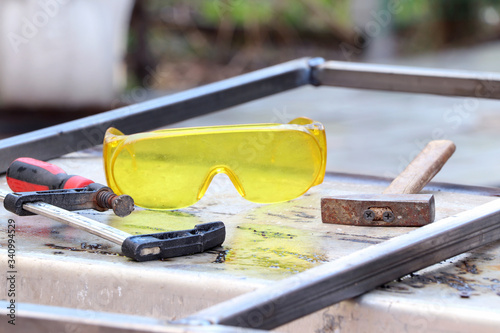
[[399, 204]]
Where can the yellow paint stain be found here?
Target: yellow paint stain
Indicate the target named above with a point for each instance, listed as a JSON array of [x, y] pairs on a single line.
[[149, 222], [274, 247]]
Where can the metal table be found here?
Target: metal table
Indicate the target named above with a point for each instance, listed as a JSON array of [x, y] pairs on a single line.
[[58, 266]]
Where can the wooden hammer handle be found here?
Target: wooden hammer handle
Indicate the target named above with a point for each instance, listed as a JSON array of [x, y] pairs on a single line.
[[423, 168]]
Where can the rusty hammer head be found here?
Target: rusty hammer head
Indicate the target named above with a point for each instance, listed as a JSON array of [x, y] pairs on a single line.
[[398, 205], [411, 210]]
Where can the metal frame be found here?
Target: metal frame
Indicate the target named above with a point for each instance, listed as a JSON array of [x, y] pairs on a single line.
[[45, 318], [444, 82], [76, 135], [55, 141], [325, 285], [352, 275]]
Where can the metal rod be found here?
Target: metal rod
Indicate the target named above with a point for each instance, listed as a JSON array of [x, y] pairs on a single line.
[[75, 220], [432, 186], [408, 79], [48, 319], [357, 273], [87, 132]]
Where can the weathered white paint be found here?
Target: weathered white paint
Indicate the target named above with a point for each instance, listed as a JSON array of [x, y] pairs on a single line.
[[62, 52]]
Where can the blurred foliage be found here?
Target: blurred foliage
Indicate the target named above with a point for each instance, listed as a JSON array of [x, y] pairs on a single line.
[[231, 36], [428, 25], [413, 12], [255, 20], [199, 41], [240, 12], [298, 14]]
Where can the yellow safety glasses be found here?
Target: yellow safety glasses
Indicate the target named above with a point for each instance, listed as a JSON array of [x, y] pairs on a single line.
[[172, 168]]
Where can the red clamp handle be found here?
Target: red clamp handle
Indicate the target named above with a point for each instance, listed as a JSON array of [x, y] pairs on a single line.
[[27, 174]]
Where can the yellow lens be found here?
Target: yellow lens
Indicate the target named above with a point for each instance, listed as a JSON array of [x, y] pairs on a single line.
[[159, 173], [279, 166], [172, 169]]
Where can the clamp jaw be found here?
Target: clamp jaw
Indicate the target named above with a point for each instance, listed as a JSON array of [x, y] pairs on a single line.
[[94, 196], [174, 243]]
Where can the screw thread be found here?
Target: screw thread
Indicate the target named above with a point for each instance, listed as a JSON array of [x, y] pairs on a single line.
[[105, 199]]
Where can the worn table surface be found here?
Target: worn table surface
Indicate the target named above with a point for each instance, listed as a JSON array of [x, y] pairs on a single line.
[[59, 265]]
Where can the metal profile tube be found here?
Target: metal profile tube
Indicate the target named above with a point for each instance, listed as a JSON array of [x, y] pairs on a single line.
[[408, 79], [87, 132], [48, 319], [357, 273]]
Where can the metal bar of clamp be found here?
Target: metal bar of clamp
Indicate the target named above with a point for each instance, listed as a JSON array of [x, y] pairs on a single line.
[[139, 247]]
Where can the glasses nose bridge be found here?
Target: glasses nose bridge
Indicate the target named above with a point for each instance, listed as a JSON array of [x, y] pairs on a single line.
[[222, 169]]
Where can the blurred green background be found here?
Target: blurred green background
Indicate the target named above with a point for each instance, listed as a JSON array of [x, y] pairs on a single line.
[[195, 42]]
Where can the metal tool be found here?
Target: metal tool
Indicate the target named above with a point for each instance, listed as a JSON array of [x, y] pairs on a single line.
[[354, 274], [140, 247], [34, 180], [398, 205]]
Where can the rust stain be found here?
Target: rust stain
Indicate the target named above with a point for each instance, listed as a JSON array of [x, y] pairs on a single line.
[[372, 238], [494, 267], [304, 215], [90, 248], [395, 288], [454, 281], [364, 241], [221, 256], [467, 267]]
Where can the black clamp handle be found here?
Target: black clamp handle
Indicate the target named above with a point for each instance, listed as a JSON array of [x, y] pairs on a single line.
[[174, 243]]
